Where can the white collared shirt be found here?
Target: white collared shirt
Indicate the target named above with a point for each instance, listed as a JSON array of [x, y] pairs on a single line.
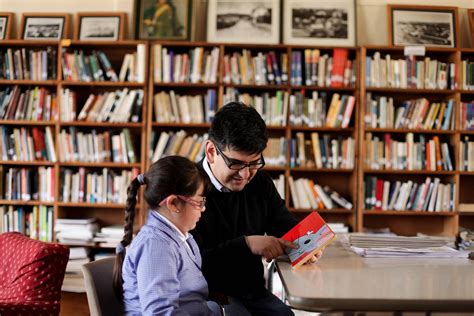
[[182, 236], [213, 179]]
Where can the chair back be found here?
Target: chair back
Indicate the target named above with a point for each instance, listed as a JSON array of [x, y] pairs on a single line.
[[98, 277]]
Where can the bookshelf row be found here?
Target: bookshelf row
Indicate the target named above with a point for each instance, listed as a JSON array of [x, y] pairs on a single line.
[[368, 136]]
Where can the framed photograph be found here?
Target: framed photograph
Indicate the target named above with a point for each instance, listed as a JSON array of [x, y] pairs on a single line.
[[470, 14], [243, 21], [326, 22], [163, 19], [423, 25], [5, 24], [44, 26], [105, 26]]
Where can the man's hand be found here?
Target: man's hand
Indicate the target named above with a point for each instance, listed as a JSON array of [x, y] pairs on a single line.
[[315, 258], [268, 247]]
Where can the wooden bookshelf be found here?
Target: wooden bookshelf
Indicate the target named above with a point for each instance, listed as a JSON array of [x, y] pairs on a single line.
[[407, 222], [324, 176], [106, 213], [348, 182], [22, 79]]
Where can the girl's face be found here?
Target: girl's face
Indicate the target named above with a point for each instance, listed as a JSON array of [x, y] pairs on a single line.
[[191, 209]]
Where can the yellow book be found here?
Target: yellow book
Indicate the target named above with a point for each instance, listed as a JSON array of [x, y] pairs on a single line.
[[316, 150], [333, 110]]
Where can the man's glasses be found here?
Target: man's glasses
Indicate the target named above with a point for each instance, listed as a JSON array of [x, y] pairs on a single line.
[[198, 204], [235, 164]]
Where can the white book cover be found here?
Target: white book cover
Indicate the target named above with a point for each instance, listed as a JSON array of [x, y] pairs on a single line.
[[293, 194], [141, 63]]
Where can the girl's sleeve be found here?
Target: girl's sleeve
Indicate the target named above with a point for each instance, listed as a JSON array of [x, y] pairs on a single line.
[[158, 285]]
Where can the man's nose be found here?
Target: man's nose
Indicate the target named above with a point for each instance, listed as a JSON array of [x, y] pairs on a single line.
[[245, 172]]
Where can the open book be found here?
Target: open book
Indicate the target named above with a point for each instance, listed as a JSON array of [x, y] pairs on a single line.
[[311, 234]]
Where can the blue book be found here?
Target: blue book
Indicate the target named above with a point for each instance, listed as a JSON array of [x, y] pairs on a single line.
[[447, 116], [368, 65]]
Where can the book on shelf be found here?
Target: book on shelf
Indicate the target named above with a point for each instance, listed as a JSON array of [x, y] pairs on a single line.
[[108, 186], [28, 64], [392, 154], [35, 222], [306, 194], [173, 143], [325, 152], [430, 196], [311, 235], [409, 73], [381, 112], [17, 103], [170, 107]]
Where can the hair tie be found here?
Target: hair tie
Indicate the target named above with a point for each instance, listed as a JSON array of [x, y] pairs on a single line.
[[141, 179], [120, 248]]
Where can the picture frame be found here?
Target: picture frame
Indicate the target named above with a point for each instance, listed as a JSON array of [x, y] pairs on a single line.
[[100, 26], [243, 21], [44, 26], [470, 14], [434, 26], [6, 19], [321, 23], [163, 20]]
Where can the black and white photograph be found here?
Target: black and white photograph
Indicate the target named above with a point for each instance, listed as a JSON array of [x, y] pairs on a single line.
[[319, 22], [5, 24], [43, 28], [423, 27], [99, 28], [3, 27], [244, 21]]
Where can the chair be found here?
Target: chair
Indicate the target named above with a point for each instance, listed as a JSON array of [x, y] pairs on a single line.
[[31, 275], [98, 276]]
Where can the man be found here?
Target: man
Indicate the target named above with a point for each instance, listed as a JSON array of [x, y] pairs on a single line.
[[245, 215]]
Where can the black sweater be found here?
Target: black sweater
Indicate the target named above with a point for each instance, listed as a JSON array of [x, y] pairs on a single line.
[[228, 264]]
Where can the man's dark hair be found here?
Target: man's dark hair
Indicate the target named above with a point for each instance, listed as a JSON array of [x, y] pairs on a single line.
[[239, 127]]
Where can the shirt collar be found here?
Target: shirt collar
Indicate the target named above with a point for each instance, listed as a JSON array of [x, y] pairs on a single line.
[[214, 180], [181, 236]]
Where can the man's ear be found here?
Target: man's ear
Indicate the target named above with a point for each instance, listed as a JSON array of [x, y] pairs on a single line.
[[210, 151]]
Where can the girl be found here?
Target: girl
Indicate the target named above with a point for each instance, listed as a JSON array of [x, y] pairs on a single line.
[[160, 273]]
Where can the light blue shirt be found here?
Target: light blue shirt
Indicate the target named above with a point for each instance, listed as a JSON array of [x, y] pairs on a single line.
[[161, 275]]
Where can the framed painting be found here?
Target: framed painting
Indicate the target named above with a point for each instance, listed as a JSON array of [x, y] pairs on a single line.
[[325, 22], [470, 14], [44, 26], [5, 24], [423, 25], [243, 21], [105, 26], [163, 19]]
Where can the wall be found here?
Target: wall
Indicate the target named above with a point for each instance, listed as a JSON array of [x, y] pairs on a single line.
[[371, 14]]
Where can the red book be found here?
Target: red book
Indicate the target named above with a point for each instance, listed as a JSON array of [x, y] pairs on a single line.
[[379, 195], [339, 62], [311, 235]]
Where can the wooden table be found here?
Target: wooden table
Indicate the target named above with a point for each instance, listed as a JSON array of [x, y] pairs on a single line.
[[344, 281]]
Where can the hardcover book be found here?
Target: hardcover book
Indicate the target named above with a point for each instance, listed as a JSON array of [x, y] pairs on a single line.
[[311, 235]]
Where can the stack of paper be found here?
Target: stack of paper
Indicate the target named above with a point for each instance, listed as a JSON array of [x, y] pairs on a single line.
[[399, 246]]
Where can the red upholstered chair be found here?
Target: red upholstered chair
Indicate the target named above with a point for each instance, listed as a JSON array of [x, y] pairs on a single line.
[[31, 275]]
